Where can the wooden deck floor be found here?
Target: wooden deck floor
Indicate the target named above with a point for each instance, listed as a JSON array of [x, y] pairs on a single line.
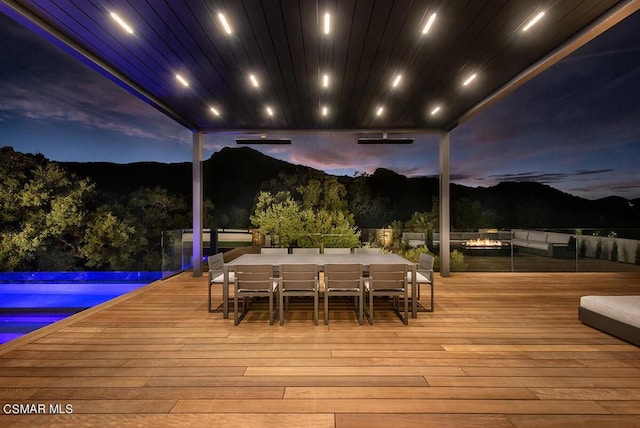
[[501, 350]]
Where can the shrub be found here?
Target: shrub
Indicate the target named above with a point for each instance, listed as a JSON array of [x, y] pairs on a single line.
[[456, 260]]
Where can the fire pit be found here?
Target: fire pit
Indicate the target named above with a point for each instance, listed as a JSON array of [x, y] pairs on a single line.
[[486, 247]]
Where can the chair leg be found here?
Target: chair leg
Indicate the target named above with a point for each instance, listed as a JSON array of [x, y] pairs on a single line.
[[326, 308], [235, 309], [271, 311], [281, 298], [433, 308], [315, 308], [210, 309], [370, 315], [406, 309]]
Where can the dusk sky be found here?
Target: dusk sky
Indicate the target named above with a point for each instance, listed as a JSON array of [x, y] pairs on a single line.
[[576, 127]]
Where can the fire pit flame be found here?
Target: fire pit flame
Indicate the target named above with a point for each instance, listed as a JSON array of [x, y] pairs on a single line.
[[483, 242]]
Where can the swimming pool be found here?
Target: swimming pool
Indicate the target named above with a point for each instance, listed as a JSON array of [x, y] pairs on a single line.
[[31, 300]]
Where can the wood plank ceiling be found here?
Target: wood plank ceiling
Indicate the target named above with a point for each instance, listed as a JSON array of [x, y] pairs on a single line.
[[283, 45]]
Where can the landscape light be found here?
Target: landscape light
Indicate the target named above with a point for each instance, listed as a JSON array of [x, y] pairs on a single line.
[[121, 22], [182, 80], [533, 21], [429, 23], [225, 24]]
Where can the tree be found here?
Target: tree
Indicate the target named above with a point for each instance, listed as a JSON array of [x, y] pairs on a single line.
[[319, 219], [279, 216], [469, 215], [48, 210], [110, 243], [368, 209]]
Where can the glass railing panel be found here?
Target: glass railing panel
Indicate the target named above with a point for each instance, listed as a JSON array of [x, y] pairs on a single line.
[[608, 250], [542, 250], [177, 249]]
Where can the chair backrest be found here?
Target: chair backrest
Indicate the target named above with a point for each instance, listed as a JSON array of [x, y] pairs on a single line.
[[425, 262], [366, 250], [268, 250], [254, 277], [305, 251], [387, 276], [337, 250], [342, 276], [299, 276], [216, 262]]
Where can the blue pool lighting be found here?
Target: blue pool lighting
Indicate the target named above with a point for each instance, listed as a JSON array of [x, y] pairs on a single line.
[[32, 300]]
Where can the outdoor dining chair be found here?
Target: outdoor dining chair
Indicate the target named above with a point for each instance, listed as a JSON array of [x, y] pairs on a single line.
[[216, 274], [270, 250], [367, 250], [337, 251], [424, 275], [305, 251], [298, 280], [388, 280], [344, 280], [253, 281]]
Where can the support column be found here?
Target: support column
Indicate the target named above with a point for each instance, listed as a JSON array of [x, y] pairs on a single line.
[[445, 204], [197, 203]]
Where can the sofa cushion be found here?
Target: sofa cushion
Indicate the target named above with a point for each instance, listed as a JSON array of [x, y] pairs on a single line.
[[521, 234], [558, 238], [537, 236], [625, 309], [538, 245]]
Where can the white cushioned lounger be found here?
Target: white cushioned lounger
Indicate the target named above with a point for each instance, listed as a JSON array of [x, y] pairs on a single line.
[[615, 315]]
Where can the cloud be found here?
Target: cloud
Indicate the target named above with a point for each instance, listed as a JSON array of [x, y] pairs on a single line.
[[57, 88], [549, 177]]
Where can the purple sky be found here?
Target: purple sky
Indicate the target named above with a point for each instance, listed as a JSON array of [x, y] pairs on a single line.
[[576, 127]]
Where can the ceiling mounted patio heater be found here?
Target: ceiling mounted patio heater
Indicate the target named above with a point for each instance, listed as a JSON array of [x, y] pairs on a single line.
[[263, 140], [385, 140]]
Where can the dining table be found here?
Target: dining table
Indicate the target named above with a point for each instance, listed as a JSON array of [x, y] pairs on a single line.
[[275, 260]]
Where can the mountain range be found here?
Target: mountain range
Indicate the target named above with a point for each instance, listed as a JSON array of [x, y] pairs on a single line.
[[232, 177]]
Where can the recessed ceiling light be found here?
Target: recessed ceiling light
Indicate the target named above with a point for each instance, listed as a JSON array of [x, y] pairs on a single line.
[[470, 79], [325, 110], [380, 111], [122, 23], [435, 110], [214, 111], [533, 21], [429, 23], [225, 24], [396, 81], [327, 23], [254, 81], [325, 81], [182, 80], [269, 111]]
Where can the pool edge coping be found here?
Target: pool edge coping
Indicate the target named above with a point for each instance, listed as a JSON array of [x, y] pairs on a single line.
[[58, 325]]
